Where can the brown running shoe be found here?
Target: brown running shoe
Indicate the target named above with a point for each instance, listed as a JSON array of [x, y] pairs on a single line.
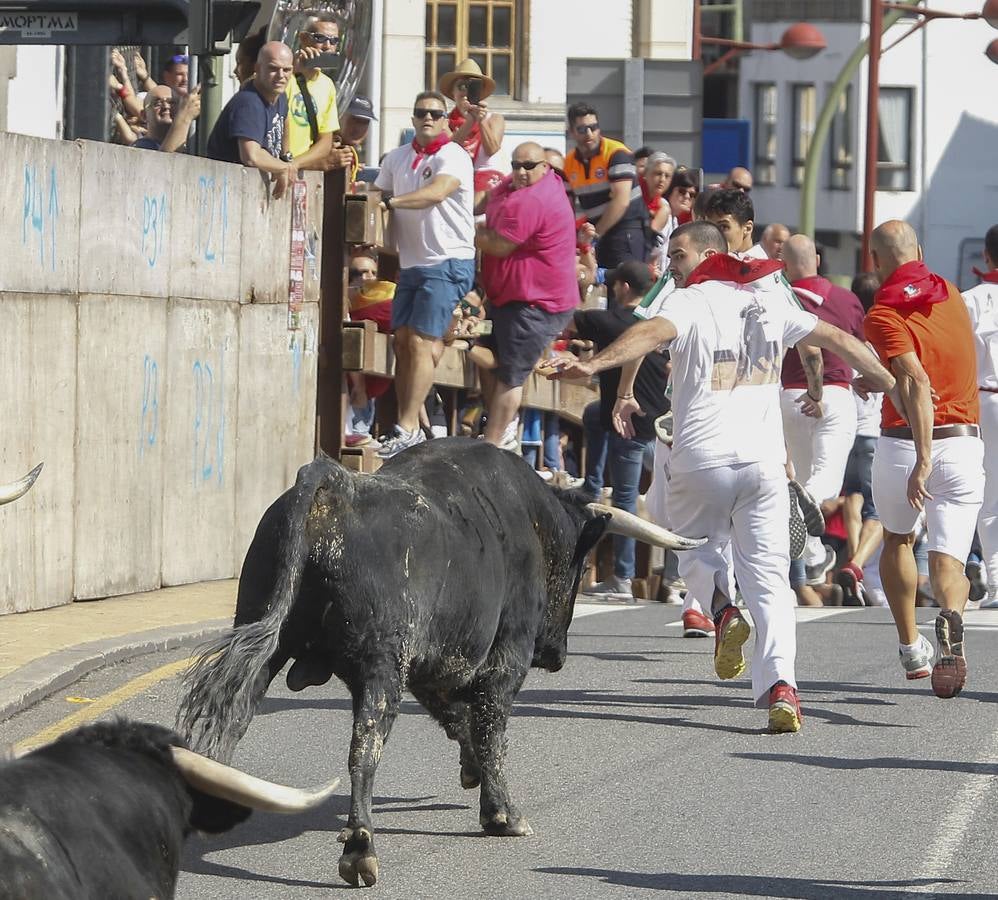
[[949, 674]]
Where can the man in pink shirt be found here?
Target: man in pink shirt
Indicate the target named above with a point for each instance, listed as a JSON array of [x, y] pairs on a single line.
[[528, 272]]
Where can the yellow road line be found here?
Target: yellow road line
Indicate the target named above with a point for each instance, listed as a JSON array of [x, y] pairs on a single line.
[[102, 704]]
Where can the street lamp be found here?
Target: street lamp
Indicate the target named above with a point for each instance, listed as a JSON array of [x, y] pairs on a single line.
[[800, 41]]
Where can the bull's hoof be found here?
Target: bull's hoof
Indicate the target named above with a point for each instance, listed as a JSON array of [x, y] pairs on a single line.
[[359, 862], [471, 776], [506, 825]]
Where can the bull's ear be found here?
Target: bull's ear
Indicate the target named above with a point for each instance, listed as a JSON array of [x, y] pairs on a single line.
[[212, 815], [592, 531]]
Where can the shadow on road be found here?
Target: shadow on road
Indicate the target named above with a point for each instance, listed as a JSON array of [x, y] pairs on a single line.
[[763, 886], [263, 829], [879, 762]]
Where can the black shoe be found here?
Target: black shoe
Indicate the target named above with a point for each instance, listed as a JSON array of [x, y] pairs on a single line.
[[810, 509], [978, 587], [798, 530]]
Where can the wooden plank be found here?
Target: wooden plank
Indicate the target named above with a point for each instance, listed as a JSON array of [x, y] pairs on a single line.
[[364, 219], [361, 459], [359, 345]]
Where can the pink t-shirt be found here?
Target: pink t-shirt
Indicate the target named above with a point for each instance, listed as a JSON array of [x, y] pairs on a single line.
[[541, 270]]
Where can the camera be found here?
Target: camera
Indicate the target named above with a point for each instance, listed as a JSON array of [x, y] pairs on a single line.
[[325, 61], [474, 91]]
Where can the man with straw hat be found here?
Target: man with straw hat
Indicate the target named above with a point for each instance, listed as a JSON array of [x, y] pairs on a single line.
[[473, 125]]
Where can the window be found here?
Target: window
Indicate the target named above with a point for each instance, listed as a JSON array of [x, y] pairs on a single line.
[[805, 104], [764, 169], [482, 31], [894, 168], [840, 157]]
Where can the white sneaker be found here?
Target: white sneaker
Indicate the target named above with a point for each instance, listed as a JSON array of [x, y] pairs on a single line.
[[917, 663], [399, 440], [991, 601], [511, 437], [613, 588]]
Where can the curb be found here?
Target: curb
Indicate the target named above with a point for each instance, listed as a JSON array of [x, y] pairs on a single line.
[[48, 674]]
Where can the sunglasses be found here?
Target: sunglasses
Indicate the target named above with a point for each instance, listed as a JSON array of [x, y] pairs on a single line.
[[179, 59], [585, 129], [421, 113], [163, 104], [332, 40], [686, 192], [529, 165]]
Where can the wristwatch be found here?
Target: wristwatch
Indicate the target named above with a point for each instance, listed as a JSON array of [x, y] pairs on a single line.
[[387, 203], [287, 157]]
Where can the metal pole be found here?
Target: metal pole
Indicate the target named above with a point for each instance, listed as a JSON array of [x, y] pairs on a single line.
[[812, 165], [696, 29], [872, 129], [211, 99]]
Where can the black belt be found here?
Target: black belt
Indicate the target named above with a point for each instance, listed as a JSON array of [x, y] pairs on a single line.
[[938, 433]]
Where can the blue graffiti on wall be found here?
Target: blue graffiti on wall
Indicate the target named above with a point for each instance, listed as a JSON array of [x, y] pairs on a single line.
[[209, 423], [212, 218], [153, 227], [40, 211], [149, 417]]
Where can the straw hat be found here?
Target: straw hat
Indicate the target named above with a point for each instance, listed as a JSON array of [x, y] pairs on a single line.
[[467, 68]]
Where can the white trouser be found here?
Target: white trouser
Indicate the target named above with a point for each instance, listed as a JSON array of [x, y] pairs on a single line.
[[819, 448], [987, 521], [657, 500], [956, 485], [743, 510]]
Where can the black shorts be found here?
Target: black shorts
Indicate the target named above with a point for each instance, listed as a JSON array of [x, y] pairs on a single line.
[[859, 474], [520, 333]]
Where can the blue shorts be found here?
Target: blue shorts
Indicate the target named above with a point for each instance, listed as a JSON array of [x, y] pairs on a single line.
[[426, 295]]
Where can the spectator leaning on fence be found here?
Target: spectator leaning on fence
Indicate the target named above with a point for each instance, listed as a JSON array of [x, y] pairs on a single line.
[[312, 116], [528, 271], [168, 125], [429, 188], [250, 128]]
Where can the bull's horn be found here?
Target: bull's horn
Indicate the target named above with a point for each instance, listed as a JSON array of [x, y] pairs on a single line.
[[227, 783], [10, 492], [630, 525]]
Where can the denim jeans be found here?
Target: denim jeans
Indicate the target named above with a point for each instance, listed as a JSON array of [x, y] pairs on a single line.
[[625, 457], [596, 444]]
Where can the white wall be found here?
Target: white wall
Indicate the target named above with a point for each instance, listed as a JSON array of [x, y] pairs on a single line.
[[563, 28], [34, 99], [959, 141]]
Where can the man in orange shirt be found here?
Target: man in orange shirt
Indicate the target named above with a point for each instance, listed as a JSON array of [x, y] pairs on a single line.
[[927, 458]]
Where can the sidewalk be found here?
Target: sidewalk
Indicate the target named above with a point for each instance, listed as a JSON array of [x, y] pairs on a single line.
[[42, 651]]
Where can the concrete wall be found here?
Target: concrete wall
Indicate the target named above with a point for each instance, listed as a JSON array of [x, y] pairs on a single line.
[[146, 359]]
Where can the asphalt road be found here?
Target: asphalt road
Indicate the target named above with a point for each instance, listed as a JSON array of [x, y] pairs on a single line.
[[641, 774]]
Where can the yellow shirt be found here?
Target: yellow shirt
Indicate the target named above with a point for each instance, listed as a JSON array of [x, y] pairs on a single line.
[[323, 93]]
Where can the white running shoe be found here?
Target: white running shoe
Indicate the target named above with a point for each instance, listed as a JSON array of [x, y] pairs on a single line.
[[917, 663]]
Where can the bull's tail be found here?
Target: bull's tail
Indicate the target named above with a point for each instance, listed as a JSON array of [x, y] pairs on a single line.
[[230, 675]]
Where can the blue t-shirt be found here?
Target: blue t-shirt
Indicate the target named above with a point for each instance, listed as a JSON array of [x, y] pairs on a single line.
[[146, 143], [248, 115]]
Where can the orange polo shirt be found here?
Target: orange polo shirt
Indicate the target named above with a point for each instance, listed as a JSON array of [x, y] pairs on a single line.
[[940, 334]]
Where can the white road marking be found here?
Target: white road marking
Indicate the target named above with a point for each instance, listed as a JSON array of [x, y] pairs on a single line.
[[951, 832]]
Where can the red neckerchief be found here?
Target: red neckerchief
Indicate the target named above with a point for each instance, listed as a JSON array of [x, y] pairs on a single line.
[[813, 289], [685, 217], [654, 204], [912, 284], [724, 267], [421, 152], [990, 277], [473, 141]]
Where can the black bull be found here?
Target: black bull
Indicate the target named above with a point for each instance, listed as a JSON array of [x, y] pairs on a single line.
[[449, 573]]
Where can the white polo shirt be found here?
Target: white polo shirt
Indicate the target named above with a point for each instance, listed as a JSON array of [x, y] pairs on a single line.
[[446, 230]]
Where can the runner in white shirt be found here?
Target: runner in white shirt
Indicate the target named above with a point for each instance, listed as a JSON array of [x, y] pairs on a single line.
[[430, 190], [733, 213], [727, 467], [982, 304]]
